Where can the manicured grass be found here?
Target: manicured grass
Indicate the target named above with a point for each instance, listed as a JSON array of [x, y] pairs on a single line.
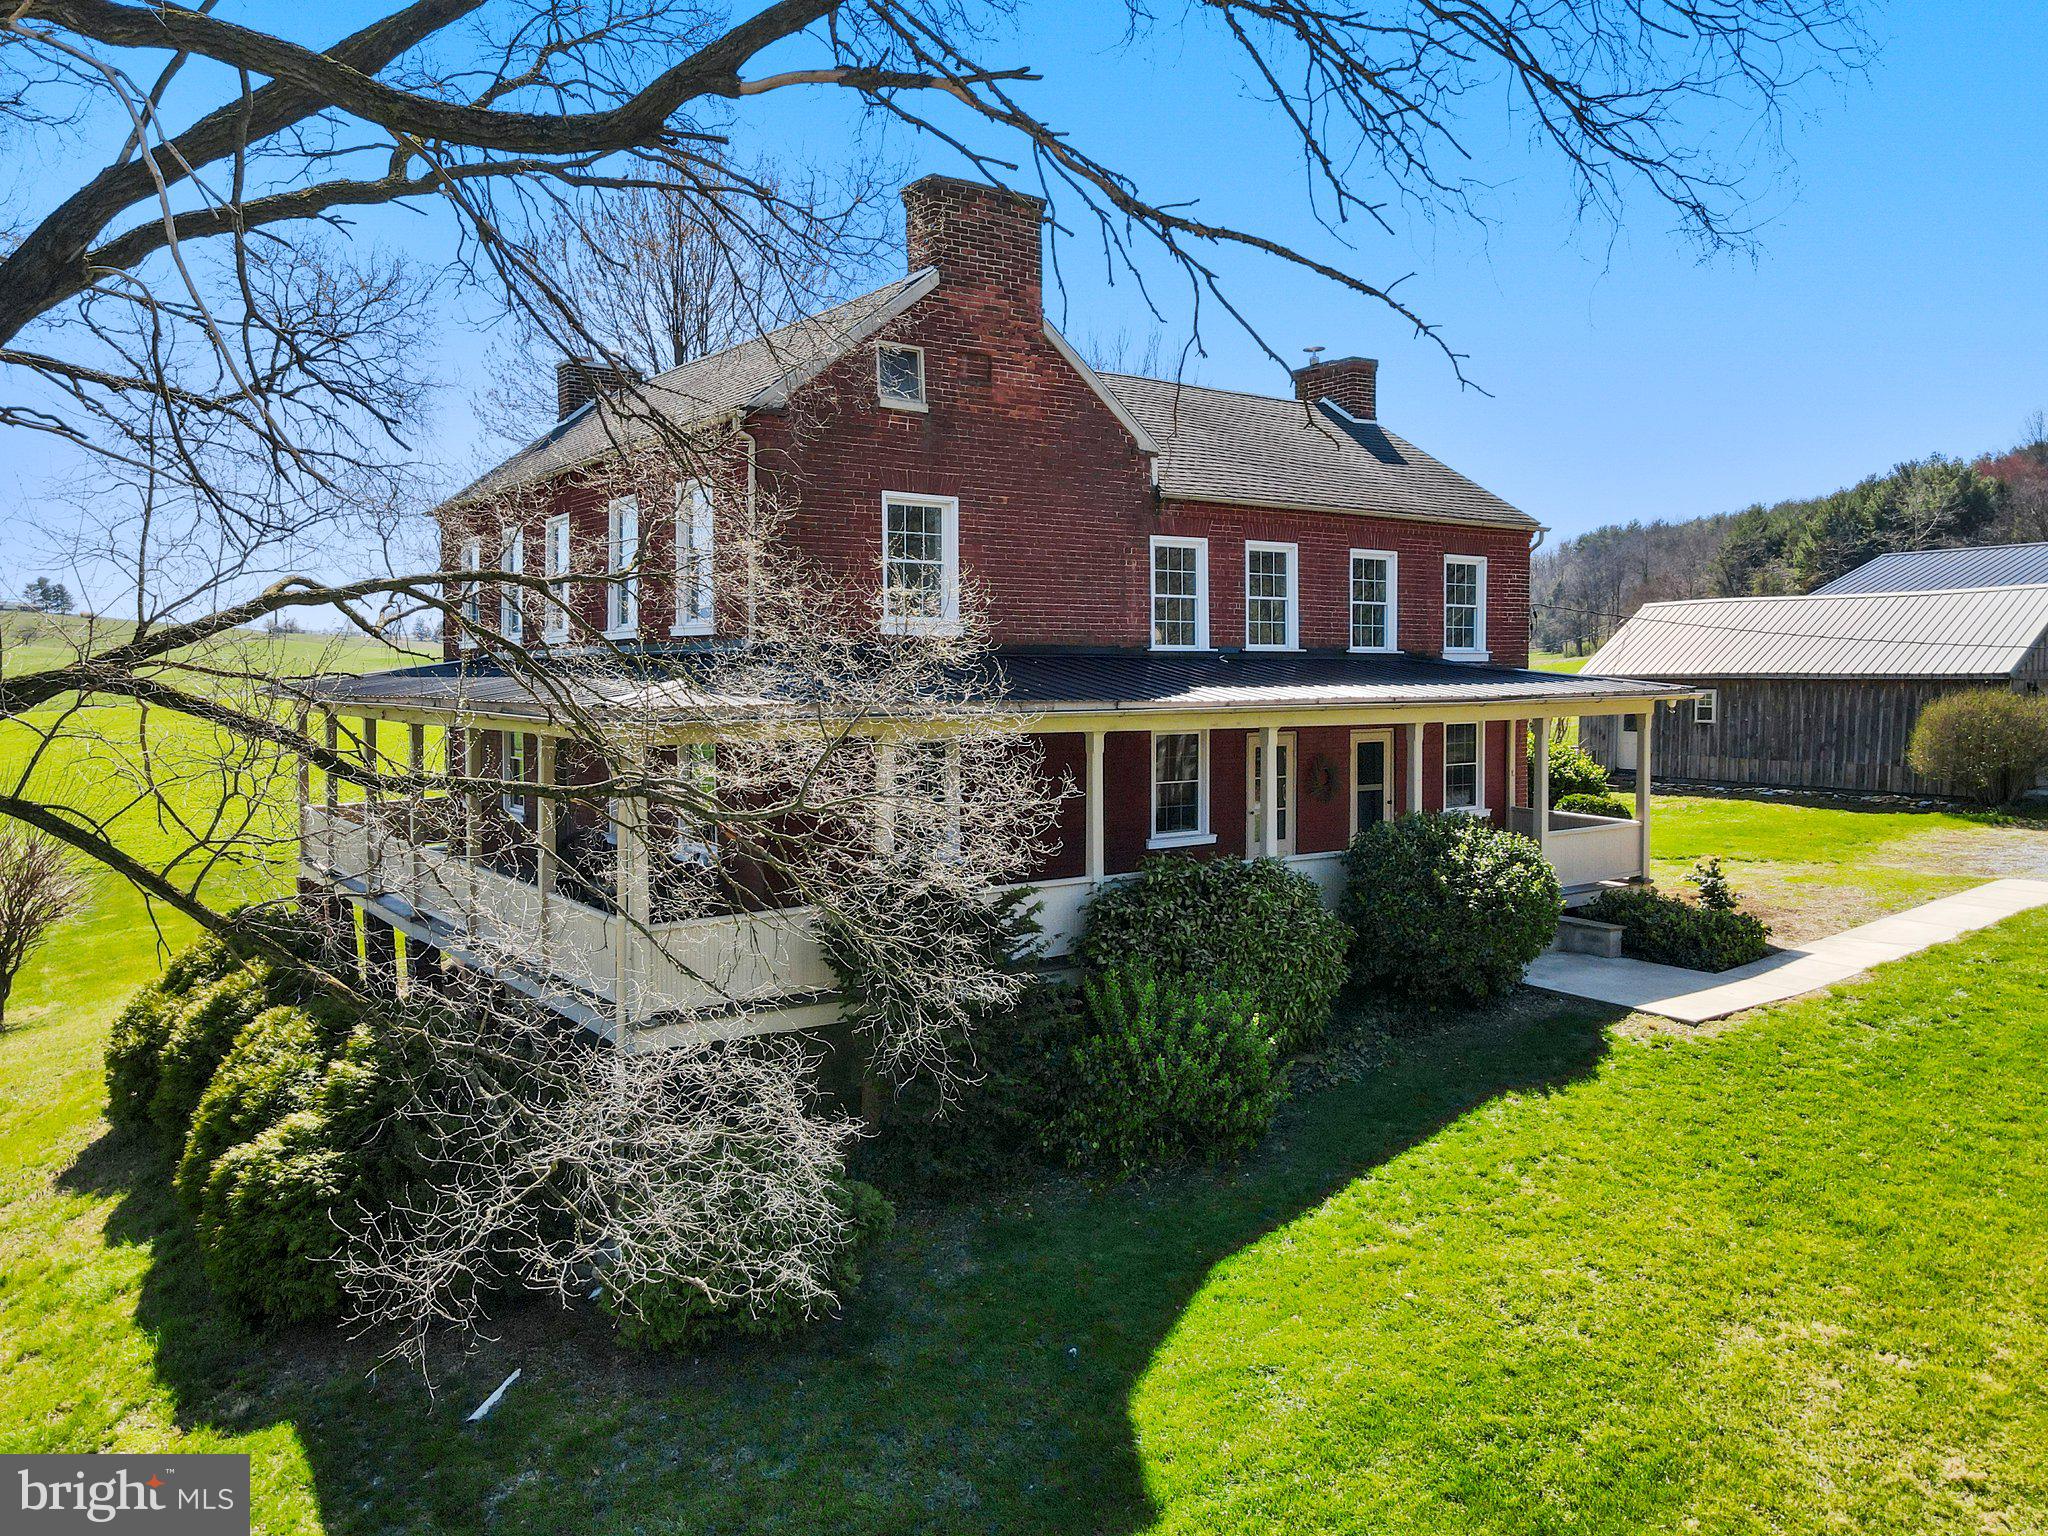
[[1541, 1271], [1555, 661]]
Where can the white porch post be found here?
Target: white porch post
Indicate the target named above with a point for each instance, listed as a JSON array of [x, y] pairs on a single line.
[[1096, 853], [1539, 784], [1269, 791], [633, 900], [330, 787], [544, 814], [1415, 768], [471, 816], [304, 725], [1644, 722], [416, 765]]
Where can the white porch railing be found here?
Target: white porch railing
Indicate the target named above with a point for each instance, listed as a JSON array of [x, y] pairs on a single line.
[[1586, 850]]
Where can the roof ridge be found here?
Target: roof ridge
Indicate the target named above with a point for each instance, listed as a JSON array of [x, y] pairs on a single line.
[[787, 325], [1209, 389]]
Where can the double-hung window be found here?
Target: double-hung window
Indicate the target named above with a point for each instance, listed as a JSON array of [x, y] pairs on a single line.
[[512, 769], [511, 594], [1180, 788], [622, 569], [920, 563], [1373, 579], [555, 560], [1706, 709], [694, 529], [1269, 597], [1463, 788], [1465, 606], [472, 596], [696, 839], [1180, 594]]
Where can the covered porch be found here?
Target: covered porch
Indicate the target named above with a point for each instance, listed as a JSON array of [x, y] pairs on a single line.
[[1291, 767]]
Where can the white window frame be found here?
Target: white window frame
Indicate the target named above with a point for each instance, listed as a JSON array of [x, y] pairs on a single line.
[[511, 746], [1392, 605], [622, 555], [555, 559], [696, 530], [1478, 730], [1201, 549], [1477, 650], [511, 595], [696, 843], [471, 558], [1293, 553], [901, 402], [947, 620], [1201, 834], [1706, 709]]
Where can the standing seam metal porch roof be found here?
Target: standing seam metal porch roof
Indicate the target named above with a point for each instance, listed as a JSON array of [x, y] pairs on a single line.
[[1048, 682]]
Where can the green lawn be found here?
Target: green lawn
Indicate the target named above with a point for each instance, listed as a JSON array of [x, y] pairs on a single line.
[[1555, 661], [1543, 1271]]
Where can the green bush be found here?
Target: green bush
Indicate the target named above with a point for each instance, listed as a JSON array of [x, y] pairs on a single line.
[[677, 1314], [928, 1146], [203, 1025], [1987, 744], [1573, 771], [1597, 805], [133, 1049], [271, 1071], [1162, 1068], [1448, 906], [1673, 932], [1239, 926], [271, 1220]]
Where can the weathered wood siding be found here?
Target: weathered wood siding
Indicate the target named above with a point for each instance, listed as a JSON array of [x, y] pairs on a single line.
[[1787, 734]]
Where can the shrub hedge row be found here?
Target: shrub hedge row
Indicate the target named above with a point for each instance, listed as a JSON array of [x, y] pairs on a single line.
[[1673, 932]]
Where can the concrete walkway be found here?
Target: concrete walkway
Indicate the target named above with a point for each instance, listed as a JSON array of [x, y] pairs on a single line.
[[1693, 997]]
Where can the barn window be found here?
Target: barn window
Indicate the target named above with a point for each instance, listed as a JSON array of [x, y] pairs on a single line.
[[1706, 709]]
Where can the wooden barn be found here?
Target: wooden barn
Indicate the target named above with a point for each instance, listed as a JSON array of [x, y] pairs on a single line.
[[1814, 692]]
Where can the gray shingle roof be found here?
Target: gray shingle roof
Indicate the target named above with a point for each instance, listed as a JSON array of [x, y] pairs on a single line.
[[1983, 632], [1218, 445], [710, 386], [1091, 682], [1941, 570]]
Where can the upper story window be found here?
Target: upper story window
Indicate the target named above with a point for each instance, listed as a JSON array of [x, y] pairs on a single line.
[[694, 529], [1706, 709], [1269, 597], [899, 377], [1180, 594], [471, 558], [621, 566], [920, 563], [511, 595], [1462, 786], [1180, 788], [555, 563], [1374, 578], [1465, 606]]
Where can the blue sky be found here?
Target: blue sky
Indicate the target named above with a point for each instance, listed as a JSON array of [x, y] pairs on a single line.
[[1894, 306]]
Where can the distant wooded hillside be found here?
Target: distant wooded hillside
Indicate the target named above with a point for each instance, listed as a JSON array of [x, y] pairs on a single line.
[[1584, 587]]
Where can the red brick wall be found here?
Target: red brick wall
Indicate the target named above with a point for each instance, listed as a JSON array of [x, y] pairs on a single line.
[[1066, 760]]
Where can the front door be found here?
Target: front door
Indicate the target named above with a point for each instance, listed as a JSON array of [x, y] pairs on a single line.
[[1255, 783], [1629, 745], [1372, 779]]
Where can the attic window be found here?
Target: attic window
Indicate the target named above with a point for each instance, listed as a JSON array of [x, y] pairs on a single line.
[[899, 377]]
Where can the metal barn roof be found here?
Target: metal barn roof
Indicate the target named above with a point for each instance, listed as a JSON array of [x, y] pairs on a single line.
[[1978, 632], [1941, 570]]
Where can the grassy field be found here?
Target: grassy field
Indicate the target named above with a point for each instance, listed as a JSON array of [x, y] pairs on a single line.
[[1540, 1271], [1555, 661]]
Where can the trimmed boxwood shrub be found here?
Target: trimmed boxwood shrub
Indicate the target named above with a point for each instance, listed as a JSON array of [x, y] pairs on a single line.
[[203, 1028], [272, 1070], [1249, 927], [1597, 805], [1573, 771], [676, 1314], [270, 1220], [1161, 1069], [1448, 906], [1673, 932]]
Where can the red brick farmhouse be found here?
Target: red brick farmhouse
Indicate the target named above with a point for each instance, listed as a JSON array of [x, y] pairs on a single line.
[[1240, 624]]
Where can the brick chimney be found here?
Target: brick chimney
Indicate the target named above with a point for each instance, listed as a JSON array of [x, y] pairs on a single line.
[[578, 380], [1350, 382], [978, 236]]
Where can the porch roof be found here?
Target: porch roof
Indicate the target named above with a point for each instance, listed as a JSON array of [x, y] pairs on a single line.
[[1053, 682]]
